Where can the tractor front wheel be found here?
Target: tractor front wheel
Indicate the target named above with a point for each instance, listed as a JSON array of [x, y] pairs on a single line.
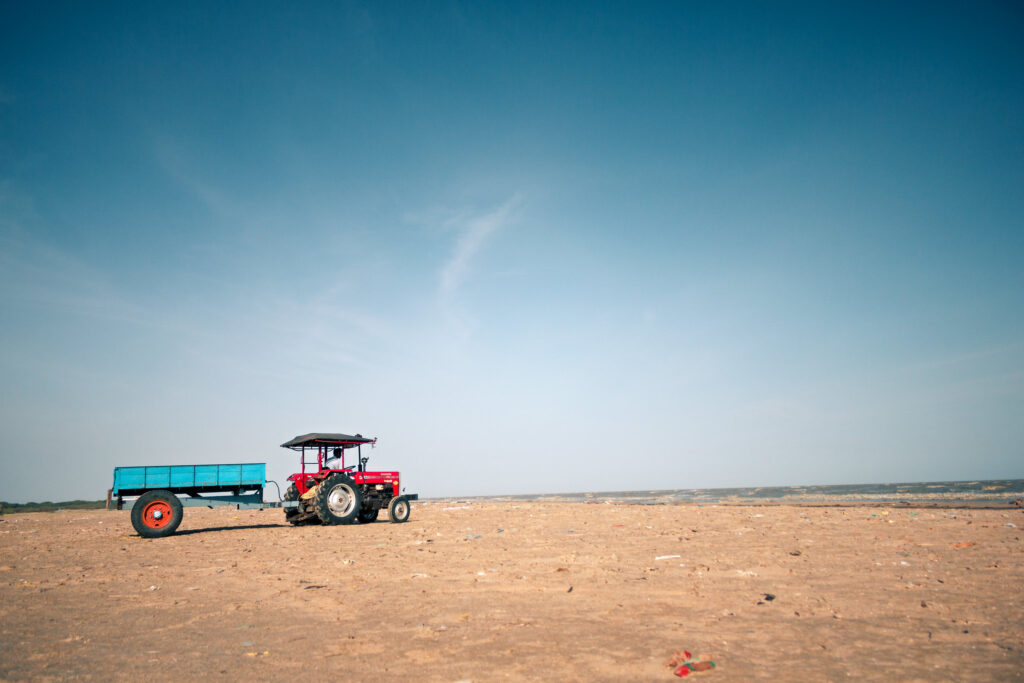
[[398, 509], [337, 500], [156, 514]]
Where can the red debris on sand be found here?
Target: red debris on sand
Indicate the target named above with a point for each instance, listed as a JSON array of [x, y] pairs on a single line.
[[682, 663], [689, 667]]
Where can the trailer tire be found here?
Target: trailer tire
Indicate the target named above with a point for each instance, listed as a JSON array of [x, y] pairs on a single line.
[[156, 514], [398, 509], [337, 500], [368, 516]]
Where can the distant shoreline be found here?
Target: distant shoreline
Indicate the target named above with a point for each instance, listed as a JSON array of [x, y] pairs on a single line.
[[46, 506], [991, 493], [988, 493]]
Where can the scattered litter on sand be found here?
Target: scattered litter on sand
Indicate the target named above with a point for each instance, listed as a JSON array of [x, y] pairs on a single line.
[[683, 663], [843, 602]]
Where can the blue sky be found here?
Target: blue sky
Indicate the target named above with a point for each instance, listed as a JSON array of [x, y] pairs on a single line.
[[530, 247]]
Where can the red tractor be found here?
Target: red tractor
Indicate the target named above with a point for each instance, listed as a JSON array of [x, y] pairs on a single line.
[[336, 493]]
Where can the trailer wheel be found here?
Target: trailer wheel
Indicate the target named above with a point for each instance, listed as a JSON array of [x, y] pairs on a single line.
[[367, 516], [156, 514], [291, 515], [337, 500], [398, 509]]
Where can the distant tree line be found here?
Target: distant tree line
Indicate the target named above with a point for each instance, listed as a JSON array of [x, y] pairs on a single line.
[[47, 506]]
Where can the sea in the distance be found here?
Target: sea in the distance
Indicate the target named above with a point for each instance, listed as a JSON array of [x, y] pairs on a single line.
[[982, 493]]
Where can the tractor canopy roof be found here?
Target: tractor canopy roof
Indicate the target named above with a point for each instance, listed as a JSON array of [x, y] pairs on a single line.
[[337, 440]]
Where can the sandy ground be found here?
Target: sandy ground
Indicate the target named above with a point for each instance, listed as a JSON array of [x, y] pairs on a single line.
[[485, 591]]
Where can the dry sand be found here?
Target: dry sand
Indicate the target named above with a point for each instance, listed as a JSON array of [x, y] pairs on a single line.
[[485, 591]]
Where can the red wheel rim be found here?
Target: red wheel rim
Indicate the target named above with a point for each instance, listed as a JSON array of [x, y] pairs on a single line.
[[157, 514]]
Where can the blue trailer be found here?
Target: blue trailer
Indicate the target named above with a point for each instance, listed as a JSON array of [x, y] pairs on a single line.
[[162, 491]]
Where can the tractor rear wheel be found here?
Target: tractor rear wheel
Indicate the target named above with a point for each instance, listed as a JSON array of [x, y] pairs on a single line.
[[337, 500], [156, 514], [367, 516], [398, 509]]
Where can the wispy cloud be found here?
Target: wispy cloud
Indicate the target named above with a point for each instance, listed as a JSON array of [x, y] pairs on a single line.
[[474, 233], [173, 158], [36, 274]]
